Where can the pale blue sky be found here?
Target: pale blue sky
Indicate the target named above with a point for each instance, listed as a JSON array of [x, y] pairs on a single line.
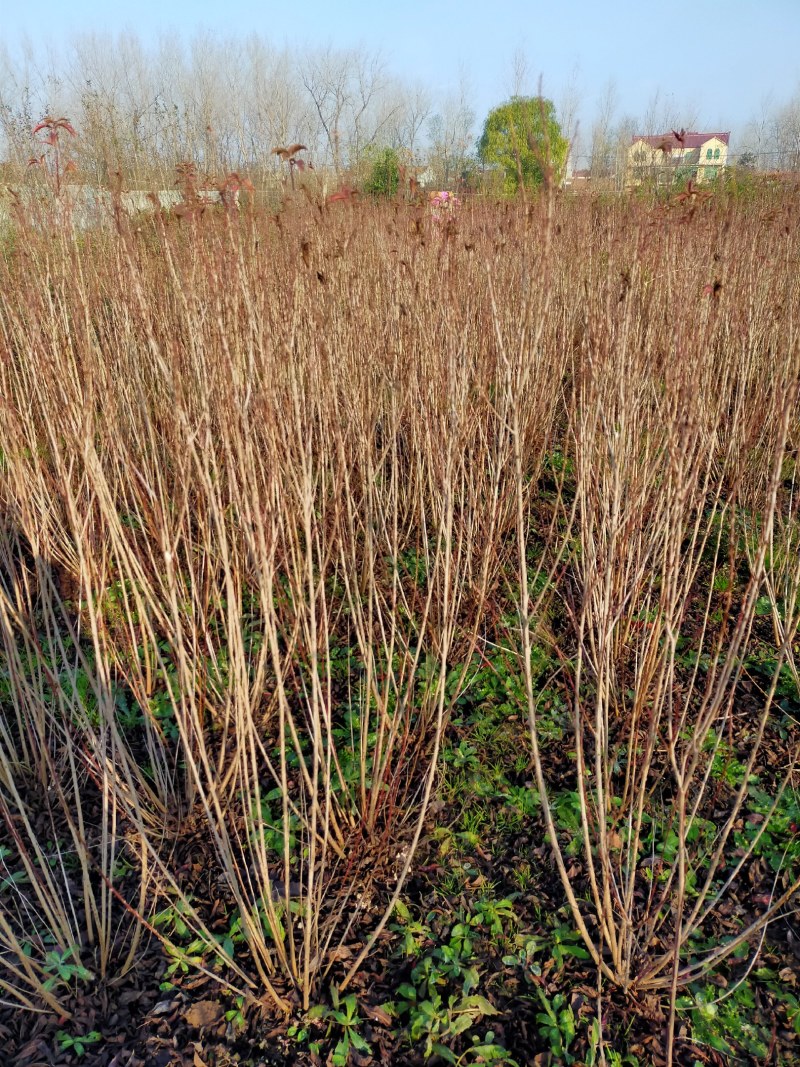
[[724, 59]]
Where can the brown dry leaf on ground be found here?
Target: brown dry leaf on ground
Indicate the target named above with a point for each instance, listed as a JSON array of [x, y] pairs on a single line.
[[204, 1013]]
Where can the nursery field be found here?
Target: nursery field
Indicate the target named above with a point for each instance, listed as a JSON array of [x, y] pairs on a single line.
[[399, 634]]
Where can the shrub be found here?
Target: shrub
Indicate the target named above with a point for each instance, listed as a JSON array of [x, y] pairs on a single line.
[[384, 179]]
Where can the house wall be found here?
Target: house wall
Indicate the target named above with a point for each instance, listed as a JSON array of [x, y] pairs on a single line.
[[645, 162], [710, 167]]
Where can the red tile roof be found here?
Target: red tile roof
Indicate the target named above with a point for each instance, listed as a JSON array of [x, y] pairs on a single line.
[[687, 139]]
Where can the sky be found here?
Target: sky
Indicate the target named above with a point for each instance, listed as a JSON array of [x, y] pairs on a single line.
[[723, 61]]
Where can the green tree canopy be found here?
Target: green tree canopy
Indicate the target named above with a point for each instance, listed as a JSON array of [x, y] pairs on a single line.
[[522, 137], [384, 178]]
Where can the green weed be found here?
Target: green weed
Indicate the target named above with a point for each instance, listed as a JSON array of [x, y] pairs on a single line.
[[344, 1020], [79, 1045]]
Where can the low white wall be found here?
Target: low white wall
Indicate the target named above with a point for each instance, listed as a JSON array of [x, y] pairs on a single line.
[[88, 207]]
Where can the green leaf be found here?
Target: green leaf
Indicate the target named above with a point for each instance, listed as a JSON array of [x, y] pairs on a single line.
[[461, 1023], [576, 950], [492, 1054], [351, 1005], [566, 1022], [402, 910], [341, 1054], [358, 1042], [478, 1002], [471, 979]]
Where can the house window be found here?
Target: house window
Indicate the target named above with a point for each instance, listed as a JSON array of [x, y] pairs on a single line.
[[716, 153], [709, 154], [710, 173]]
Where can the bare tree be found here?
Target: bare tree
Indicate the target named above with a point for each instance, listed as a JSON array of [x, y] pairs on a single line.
[[347, 90], [602, 159], [568, 106], [664, 113], [407, 108], [31, 86], [520, 74], [278, 108], [787, 135], [418, 109], [451, 133], [626, 129], [18, 109], [757, 137], [221, 103]]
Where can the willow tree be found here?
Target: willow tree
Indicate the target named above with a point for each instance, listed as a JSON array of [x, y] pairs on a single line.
[[524, 140]]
